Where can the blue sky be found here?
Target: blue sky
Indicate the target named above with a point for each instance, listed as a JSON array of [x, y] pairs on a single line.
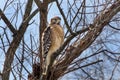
[[34, 28], [1, 24]]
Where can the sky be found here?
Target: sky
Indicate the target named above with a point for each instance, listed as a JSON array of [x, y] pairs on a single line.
[[1, 23], [34, 27]]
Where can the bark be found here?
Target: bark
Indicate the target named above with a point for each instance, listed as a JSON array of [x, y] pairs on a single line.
[[15, 43], [9, 25], [94, 31]]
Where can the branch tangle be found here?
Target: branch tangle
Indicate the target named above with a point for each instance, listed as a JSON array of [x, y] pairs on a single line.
[[15, 43], [96, 28]]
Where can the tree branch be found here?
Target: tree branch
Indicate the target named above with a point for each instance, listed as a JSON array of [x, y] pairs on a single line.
[[98, 24], [38, 3], [42, 6], [15, 43], [50, 1], [7, 22], [79, 67], [64, 18]]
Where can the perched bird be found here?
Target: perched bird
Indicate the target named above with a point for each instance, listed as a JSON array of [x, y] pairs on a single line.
[[52, 40]]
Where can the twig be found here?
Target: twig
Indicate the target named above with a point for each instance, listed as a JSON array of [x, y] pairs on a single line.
[[62, 13], [83, 66], [8, 23]]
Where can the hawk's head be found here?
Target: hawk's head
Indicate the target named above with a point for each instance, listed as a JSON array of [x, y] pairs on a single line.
[[55, 20]]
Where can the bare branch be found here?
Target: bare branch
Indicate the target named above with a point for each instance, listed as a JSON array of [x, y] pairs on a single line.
[[113, 27], [15, 43], [98, 24], [79, 67], [63, 15], [10, 26], [50, 1]]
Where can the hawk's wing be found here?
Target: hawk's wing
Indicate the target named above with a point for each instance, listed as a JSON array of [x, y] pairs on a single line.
[[46, 41]]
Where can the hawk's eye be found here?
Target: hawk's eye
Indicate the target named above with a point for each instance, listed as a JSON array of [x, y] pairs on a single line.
[[55, 19]]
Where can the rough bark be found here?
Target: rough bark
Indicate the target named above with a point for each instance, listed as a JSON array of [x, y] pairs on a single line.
[[94, 30]]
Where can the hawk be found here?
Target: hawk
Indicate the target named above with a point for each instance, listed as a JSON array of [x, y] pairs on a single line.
[[52, 40]]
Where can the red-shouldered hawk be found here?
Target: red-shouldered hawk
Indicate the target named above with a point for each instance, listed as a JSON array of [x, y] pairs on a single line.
[[52, 40]]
